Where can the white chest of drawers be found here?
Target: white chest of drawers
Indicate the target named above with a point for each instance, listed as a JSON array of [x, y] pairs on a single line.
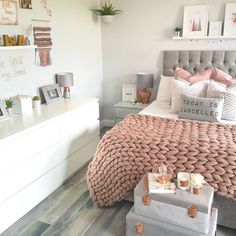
[[39, 151]]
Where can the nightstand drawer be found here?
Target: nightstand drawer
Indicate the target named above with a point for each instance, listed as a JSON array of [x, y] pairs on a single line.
[[121, 112]]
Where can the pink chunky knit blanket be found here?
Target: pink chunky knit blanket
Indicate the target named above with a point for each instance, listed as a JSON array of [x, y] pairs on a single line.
[[134, 145]]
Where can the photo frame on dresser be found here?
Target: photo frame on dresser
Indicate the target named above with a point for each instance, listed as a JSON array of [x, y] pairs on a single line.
[[51, 93], [3, 112], [195, 21]]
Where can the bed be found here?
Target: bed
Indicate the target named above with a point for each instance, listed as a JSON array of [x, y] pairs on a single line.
[[128, 176]]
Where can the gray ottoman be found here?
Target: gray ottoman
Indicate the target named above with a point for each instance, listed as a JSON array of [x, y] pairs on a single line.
[[153, 227], [173, 208]]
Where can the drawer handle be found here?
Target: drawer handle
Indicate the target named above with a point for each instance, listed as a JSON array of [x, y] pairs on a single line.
[[139, 228], [192, 211]]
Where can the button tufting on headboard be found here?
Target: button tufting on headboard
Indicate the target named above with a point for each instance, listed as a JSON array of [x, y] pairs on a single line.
[[196, 61]]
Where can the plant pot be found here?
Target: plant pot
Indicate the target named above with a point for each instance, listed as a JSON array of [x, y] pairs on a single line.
[[37, 104], [10, 112], [177, 33], [107, 19]]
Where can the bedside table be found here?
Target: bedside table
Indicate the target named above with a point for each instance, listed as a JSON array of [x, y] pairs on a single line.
[[123, 109]]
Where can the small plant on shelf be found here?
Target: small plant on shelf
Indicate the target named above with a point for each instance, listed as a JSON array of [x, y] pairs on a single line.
[[36, 98], [178, 31], [107, 11], [9, 103]]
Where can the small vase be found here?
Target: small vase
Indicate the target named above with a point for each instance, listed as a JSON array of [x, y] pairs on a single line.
[[10, 112], [107, 19], [177, 33], [37, 104]]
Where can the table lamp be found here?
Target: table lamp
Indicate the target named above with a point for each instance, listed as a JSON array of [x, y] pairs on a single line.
[[65, 80], [144, 81]]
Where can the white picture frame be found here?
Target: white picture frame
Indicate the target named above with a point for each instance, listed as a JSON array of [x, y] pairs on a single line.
[[3, 112], [230, 19], [8, 12], [215, 28], [129, 92], [195, 21], [51, 93]]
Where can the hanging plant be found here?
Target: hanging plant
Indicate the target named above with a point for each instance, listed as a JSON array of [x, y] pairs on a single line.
[[107, 12]]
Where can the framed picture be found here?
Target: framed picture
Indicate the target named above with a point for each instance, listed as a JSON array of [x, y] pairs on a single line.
[[51, 93], [230, 19], [215, 28], [195, 21], [129, 92], [3, 113], [26, 4], [8, 12]]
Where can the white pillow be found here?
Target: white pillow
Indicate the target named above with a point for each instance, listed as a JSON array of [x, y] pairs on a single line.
[[164, 90], [216, 89], [178, 87]]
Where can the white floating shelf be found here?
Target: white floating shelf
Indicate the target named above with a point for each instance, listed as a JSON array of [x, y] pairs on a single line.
[[206, 38], [5, 48]]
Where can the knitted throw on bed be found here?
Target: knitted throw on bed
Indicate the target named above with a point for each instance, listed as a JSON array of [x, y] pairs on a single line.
[[134, 145]]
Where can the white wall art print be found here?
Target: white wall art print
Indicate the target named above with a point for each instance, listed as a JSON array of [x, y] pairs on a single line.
[[230, 19], [129, 92], [195, 21]]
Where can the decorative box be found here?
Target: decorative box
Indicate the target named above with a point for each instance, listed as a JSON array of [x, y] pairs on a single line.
[[173, 208], [22, 104], [147, 226]]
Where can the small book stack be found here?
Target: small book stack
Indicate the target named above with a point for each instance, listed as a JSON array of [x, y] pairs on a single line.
[[156, 187]]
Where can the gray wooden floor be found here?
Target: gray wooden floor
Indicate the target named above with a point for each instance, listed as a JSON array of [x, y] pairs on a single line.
[[69, 211]]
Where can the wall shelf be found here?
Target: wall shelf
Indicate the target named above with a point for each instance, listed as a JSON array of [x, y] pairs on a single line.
[[4, 48], [222, 37]]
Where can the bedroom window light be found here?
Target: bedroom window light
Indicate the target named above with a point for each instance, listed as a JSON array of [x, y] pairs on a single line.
[[144, 82]]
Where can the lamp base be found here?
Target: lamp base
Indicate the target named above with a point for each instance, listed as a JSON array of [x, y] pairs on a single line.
[[144, 96], [66, 92]]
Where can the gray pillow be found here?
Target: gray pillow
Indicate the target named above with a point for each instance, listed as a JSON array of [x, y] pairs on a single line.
[[198, 108]]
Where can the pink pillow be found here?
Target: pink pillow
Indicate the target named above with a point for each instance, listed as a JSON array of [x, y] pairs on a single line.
[[222, 77], [183, 74]]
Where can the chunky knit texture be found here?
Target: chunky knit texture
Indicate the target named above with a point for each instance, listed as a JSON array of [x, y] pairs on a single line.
[[134, 145]]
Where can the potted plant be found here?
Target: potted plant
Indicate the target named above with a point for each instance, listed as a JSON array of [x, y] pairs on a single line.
[[107, 12], [36, 102], [178, 31], [9, 106]]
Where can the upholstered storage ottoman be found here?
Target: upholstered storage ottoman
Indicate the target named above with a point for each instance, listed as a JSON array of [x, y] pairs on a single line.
[[173, 208], [151, 227]]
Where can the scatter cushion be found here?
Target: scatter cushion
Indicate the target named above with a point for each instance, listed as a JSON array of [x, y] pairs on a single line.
[[229, 93], [164, 90], [183, 74], [196, 108], [178, 87], [222, 77]]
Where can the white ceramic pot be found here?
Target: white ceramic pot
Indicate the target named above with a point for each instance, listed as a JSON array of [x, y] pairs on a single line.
[[107, 19], [10, 112], [177, 33], [37, 104]]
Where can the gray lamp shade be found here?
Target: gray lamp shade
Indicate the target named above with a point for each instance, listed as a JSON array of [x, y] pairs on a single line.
[[144, 80], [65, 79]]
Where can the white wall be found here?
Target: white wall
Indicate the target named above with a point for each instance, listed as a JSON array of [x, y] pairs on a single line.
[[135, 40], [76, 36]]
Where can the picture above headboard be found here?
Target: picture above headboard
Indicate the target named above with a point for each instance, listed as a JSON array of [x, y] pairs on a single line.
[[196, 61]]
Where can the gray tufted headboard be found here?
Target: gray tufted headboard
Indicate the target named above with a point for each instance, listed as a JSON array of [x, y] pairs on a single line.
[[195, 61]]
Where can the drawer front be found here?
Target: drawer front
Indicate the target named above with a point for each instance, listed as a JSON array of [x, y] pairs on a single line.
[[79, 120], [83, 136], [26, 146], [26, 173], [122, 112]]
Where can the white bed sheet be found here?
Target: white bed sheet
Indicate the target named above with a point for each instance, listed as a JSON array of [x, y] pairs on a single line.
[[162, 109]]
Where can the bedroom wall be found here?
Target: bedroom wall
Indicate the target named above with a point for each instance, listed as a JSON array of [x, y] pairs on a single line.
[[76, 36], [135, 40]]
